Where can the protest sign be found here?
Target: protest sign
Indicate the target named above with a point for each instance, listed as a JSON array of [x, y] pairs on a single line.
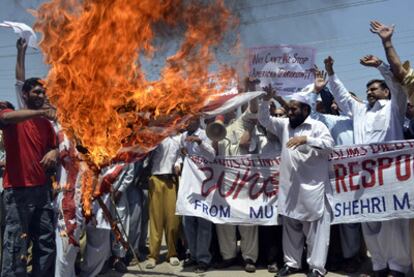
[[372, 182], [237, 190], [287, 68]]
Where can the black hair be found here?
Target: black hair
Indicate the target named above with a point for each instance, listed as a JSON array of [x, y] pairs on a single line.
[[6, 105], [382, 84], [30, 84]]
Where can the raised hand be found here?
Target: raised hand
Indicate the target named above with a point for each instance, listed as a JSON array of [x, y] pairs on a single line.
[[250, 84], [370, 60], [270, 92], [383, 31], [21, 44], [329, 62], [320, 78]]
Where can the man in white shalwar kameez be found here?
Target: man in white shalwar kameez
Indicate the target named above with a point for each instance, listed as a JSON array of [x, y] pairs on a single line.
[[304, 183], [381, 119]]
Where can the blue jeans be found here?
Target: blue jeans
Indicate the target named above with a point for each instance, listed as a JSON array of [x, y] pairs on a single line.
[[198, 233], [28, 216]]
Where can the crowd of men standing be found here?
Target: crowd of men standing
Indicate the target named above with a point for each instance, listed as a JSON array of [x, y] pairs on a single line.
[[43, 225]]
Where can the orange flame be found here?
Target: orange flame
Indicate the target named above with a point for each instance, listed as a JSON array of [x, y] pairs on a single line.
[[103, 97]]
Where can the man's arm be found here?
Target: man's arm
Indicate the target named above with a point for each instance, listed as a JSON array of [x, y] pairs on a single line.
[[273, 125], [126, 179], [398, 97], [250, 85], [320, 89], [322, 140], [50, 159], [245, 139], [207, 148], [282, 102], [21, 46], [385, 33], [342, 97], [18, 116], [328, 119], [204, 144]]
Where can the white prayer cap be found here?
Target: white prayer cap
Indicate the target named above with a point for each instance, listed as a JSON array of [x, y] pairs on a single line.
[[300, 98], [304, 95]]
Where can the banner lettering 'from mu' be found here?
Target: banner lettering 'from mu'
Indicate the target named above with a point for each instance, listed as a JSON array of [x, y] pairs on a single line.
[[372, 182]]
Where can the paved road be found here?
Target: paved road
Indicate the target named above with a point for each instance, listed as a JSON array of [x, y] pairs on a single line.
[[166, 270]]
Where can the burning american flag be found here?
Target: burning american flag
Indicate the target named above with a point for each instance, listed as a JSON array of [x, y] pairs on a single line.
[[104, 99]]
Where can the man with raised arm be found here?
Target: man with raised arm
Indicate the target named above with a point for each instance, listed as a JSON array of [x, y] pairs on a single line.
[[31, 149], [379, 120], [304, 183], [342, 131], [21, 46], [237, 142], [402, 72]]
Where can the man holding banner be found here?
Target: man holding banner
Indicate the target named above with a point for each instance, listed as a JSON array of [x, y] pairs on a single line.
[[379, 120], [233, 145], [342, 131], [198, 230], [304, 183]]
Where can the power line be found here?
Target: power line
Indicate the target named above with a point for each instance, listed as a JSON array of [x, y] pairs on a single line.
[[403, 41], [310, 12], [377, 45], [263, 5], [346, 39]]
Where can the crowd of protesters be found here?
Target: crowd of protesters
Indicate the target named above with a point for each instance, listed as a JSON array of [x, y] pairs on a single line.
[[44, 232]]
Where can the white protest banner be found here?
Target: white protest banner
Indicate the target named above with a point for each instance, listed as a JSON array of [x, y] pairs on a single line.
[[235, 190], [287, 68], [373, 182]]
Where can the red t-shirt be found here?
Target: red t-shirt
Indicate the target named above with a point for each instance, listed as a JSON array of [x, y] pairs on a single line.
[[26, 143]]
